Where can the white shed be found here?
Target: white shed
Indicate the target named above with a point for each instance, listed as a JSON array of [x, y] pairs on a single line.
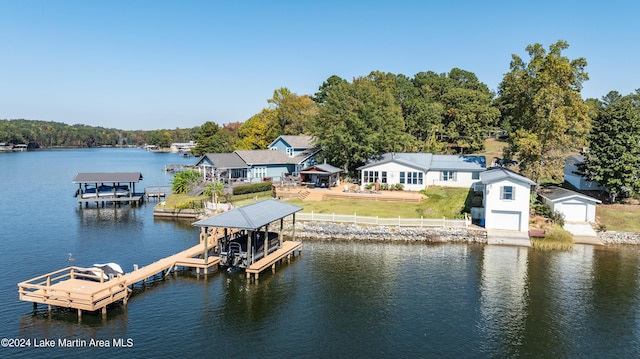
[[576, 207]]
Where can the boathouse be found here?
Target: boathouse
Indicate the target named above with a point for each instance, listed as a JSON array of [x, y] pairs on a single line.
[[248, 242], [105, 187]]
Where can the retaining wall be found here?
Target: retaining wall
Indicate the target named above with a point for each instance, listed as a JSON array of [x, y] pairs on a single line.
[[341, 231], [619, 237]]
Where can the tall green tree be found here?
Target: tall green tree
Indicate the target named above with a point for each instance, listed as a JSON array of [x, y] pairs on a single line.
[[259, 131], [294, 113], [212, 139], [454, 108], [541, 102], [613, 159], [332, 82], [358, 121]]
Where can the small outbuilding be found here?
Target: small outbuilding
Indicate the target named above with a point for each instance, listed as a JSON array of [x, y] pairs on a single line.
[[506, 199], [323, 175], [576, 207]]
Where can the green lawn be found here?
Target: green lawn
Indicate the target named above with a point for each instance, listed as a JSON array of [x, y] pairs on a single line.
[[618, 217], [183, 200], [441, 202]]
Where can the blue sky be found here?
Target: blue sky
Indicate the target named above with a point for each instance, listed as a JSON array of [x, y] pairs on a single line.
[[166, 64]]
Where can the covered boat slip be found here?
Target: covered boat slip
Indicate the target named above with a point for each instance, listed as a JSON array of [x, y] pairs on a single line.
[[239, 237], [107, 187], [253, 247]]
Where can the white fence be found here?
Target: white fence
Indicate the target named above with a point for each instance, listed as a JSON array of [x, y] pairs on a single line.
[[400, 222]]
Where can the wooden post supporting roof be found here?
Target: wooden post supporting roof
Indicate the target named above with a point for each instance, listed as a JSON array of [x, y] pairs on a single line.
[[206, 241], [266, 241]]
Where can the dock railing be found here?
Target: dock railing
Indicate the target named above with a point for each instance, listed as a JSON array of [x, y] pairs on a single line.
[[398, 221], [43, 289], [156, 192]]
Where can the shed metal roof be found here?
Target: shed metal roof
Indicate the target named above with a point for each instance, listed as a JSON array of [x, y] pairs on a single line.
[[251, 216], [556, 194], [323, 168], [107, 177]]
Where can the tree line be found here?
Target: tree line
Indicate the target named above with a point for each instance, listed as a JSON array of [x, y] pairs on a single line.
[[49, 134], [538, 104]]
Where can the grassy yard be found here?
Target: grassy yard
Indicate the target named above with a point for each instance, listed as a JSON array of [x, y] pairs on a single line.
[[177, 200], [619, 217], [441, 202]]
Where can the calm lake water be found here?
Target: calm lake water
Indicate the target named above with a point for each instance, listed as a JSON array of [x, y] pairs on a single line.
[[339, 299]]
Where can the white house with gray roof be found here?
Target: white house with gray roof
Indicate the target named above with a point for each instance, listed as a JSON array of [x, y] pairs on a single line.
[[416, 171], [505, 199]]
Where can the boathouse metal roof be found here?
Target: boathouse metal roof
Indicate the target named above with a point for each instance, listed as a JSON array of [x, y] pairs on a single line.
[[107, 177], [251, 216], [495, 174]]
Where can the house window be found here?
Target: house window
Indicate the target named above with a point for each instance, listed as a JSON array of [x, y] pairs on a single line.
[[383, 177], [260, 172], [507, 193], [448, 176], [289, 151], [475, 175], [411, 177], [370, 176]]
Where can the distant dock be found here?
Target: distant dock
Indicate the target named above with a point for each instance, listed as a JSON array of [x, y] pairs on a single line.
[[108, 187]]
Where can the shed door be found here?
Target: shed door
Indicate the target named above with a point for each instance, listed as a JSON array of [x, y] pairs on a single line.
[[574, 212], [506, 220]]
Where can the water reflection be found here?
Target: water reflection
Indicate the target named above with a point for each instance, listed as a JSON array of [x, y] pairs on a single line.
[[503, 297]]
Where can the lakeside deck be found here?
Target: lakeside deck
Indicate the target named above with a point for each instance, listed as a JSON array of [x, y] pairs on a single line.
[[287, 250], [88, 289], [72, 287]]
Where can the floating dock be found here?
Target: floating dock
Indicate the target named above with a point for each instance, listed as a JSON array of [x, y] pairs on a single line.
[[74, 287]]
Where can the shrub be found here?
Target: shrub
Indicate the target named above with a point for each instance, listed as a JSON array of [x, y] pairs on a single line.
[[184, 180], [253, 188], [541, 209], [556, 239], [557, 218]]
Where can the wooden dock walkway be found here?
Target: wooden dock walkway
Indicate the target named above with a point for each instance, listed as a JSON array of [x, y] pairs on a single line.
[[134, 200], [287, 249], [76, 287]]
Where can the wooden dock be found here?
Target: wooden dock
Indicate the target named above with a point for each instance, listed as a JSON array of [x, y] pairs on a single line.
[[136, 199], [72, 287], [287, 250], [88, 289]]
